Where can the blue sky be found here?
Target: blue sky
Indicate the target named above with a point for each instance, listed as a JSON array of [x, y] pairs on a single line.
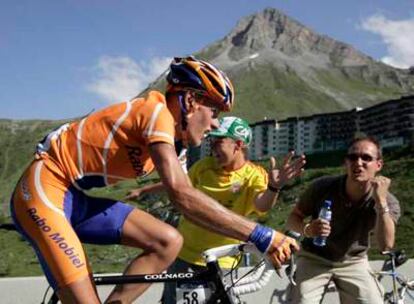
[[62, 59]]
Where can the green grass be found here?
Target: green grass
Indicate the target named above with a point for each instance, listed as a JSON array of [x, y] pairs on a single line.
[[352, 82], [278, 93], [258, 98], [18, 140]]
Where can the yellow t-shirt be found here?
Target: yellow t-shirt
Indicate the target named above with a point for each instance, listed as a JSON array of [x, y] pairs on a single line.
[[235, 190]]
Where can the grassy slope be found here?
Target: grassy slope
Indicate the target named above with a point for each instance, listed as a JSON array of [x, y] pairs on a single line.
[[280, 94], [18, 140]]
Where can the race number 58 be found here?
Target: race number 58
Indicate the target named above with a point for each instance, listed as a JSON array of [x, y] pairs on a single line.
[[192, 294]]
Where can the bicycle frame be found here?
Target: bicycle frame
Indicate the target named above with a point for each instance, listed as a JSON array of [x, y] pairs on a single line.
[[400, 285], [213, 275]]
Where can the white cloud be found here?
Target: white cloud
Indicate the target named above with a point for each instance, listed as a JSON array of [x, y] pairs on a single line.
[[121, 78], [398, 37]]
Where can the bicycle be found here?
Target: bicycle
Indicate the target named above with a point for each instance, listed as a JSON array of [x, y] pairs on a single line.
[[218, 290], [401, 285]]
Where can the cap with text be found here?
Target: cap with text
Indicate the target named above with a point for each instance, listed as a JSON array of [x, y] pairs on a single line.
[[235, 128]]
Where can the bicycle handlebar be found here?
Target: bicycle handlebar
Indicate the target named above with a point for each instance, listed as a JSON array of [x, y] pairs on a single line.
[[261, 276], [260, 279], [254, 282], [290, 270], [213, 254]]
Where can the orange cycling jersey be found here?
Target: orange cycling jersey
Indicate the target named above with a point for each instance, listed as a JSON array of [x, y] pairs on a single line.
[[110, 145], [48, 206]]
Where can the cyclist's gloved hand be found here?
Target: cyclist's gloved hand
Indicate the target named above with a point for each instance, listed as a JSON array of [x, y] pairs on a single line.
[[277, 245]]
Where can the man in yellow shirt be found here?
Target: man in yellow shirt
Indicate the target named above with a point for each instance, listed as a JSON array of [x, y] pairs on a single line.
[[237, 184]]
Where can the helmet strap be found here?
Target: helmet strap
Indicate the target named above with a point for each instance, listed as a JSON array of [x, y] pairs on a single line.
[[183, 108]]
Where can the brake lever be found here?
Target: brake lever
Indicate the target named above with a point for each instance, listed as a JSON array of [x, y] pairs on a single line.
[[290, 271]]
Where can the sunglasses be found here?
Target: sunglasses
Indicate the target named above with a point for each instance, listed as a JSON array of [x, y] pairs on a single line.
[[215, 111], [364, 157]]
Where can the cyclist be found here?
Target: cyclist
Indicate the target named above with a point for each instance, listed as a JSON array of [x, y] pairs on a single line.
[[122, 141]]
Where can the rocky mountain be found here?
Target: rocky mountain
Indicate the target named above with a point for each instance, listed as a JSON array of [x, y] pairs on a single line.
[[281, 68]]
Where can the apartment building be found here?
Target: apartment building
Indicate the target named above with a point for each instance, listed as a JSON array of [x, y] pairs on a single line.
[[391, 122]]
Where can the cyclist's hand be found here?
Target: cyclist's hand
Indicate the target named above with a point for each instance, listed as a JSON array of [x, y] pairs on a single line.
[[281, 248], [276, 245], [134, 194]]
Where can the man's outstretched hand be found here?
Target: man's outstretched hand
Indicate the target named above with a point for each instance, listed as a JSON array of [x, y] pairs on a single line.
[[280, 175]]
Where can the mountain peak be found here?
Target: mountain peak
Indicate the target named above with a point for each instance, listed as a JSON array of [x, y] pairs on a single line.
[[272, 30], [281, 68]]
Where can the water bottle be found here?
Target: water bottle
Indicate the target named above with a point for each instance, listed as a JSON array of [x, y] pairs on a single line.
[[326, 214]]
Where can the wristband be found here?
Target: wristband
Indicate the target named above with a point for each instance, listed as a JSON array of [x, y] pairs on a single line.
[[272, 188], [261, 237]]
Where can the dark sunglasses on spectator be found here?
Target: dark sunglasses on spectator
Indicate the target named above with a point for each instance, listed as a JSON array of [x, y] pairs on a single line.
[[364, 157]]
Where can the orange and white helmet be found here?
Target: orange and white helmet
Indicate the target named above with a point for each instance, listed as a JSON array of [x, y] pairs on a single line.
[[204, 78]]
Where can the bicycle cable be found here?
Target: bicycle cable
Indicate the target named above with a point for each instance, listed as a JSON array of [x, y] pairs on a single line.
[[246, 274], [236, 264]]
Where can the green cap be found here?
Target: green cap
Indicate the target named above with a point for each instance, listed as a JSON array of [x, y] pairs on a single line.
[[235, 128]]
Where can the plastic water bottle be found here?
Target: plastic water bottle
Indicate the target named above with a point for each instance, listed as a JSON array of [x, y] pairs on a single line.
[[326, 214]]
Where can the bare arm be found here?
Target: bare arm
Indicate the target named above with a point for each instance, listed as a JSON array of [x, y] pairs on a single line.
[[295, 221], [266, 200], [385, 231], [385, 226]]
